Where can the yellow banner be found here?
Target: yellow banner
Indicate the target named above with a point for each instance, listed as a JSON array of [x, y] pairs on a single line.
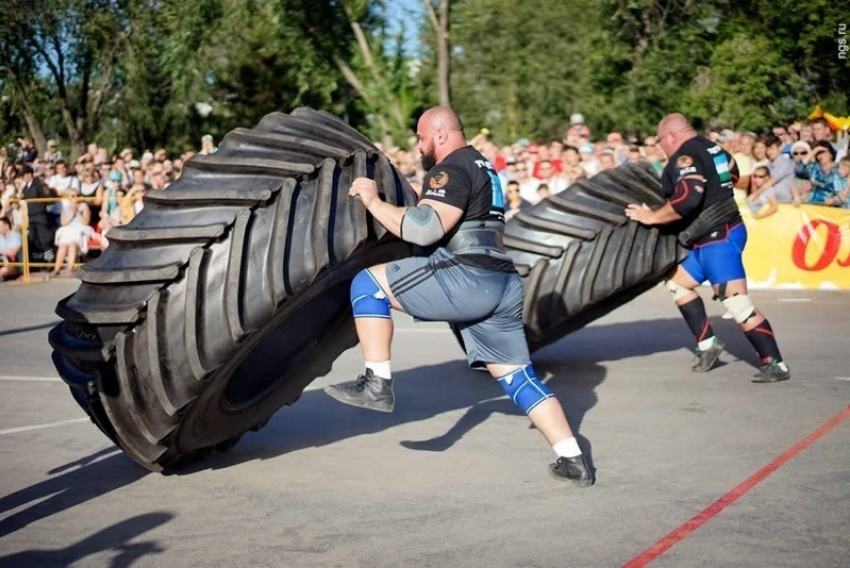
[[798, 247]]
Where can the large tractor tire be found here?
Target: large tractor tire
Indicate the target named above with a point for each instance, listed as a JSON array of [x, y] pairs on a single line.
[[228, 293], [580, 257]]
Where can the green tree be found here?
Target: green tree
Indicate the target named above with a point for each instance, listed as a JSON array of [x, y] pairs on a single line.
[[747, 85], [520, 67], [68, 49]]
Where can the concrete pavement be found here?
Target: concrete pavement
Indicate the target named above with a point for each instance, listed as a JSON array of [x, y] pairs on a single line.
[[455, 477]]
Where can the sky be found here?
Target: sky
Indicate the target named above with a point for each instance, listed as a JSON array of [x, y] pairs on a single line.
[[410, 12]]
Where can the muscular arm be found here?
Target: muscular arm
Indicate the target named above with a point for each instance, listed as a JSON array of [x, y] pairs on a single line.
[[687, 197], [662, 216], [391, 217]]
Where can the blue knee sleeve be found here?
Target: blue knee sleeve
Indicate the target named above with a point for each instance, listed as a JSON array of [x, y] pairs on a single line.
[[524, 388], [368, 300]]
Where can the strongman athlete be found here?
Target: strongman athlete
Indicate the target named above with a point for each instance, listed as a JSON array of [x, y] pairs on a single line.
[[467, 279], [698, 183]]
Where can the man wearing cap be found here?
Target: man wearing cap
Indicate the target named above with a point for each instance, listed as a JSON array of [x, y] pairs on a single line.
[[577, 128], [698, 182], [53, 154], [589, 163]]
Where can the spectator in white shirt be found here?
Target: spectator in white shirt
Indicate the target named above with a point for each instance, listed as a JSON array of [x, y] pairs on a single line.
[[10, 248], [781, 168], [62, 182], [549, 177]]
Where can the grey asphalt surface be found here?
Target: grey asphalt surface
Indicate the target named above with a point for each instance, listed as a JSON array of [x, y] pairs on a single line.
[[455, 477]]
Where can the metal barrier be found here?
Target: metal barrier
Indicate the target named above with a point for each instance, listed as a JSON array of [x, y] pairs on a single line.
[[24, 228]]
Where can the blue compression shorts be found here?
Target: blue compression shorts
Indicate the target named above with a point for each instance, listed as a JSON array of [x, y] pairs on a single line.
[[720, 261]]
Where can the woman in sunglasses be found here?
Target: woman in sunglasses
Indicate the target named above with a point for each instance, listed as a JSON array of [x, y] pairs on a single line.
[[762, 203], [800, 187]]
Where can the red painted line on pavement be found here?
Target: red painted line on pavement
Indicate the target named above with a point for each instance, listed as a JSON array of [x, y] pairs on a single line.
[[715, 508]]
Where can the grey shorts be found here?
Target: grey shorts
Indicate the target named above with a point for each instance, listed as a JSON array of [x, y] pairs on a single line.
[[486, 305]]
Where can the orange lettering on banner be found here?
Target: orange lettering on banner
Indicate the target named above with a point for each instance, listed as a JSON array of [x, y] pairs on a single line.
[[830, 249]]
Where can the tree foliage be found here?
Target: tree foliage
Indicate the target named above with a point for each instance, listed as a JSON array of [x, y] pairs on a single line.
[[146, 73]]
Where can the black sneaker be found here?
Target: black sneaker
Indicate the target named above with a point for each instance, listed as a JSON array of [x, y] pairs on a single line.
[[705, 360], [572, 469], [773, 372], [368, 391]]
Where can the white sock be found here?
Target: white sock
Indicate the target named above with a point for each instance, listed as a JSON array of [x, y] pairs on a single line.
[[567, 448], [706, 344], [381, 369]]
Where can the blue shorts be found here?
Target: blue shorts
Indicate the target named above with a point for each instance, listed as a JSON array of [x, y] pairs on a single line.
[[721, 261], [486, 305]]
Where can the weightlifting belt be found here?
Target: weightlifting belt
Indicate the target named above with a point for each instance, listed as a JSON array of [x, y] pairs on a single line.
[[708, 220], [479, 237]]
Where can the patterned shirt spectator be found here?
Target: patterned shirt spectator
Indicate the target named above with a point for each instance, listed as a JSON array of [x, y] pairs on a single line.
[[822, 172], [800, 154]]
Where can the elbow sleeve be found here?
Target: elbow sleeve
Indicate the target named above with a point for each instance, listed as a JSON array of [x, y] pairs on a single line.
[[688, 196], [421, 226]]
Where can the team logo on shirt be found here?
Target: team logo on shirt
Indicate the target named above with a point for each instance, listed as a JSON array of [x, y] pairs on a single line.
[[685, 161], [438, 180]]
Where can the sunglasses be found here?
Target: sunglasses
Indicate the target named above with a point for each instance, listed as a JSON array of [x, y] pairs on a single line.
[[803, 153]]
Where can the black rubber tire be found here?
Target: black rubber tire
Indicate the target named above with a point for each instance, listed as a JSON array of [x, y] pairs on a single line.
[[228, 293], [580, 257]]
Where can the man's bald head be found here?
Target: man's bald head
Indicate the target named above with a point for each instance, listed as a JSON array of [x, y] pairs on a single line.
[[673, 130], [440, 132], [441, 117]]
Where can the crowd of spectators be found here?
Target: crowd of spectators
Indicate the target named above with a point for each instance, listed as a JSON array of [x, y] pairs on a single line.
[[795, 163], [72, 206]]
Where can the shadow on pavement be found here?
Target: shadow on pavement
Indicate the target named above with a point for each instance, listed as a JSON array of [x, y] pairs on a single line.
[[26, 329], [573, 368], [115, 538], [81, 481]]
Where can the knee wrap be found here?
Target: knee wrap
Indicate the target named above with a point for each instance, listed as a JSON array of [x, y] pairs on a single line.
[[740, 306], [678, 291], [368, 300], [524, 388]]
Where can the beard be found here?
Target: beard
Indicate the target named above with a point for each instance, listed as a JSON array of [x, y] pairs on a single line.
[[429, 160]]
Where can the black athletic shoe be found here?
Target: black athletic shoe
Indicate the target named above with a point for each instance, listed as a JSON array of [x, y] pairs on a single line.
[[368, 391], [572, 469], [772, 373], [705, 360]]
